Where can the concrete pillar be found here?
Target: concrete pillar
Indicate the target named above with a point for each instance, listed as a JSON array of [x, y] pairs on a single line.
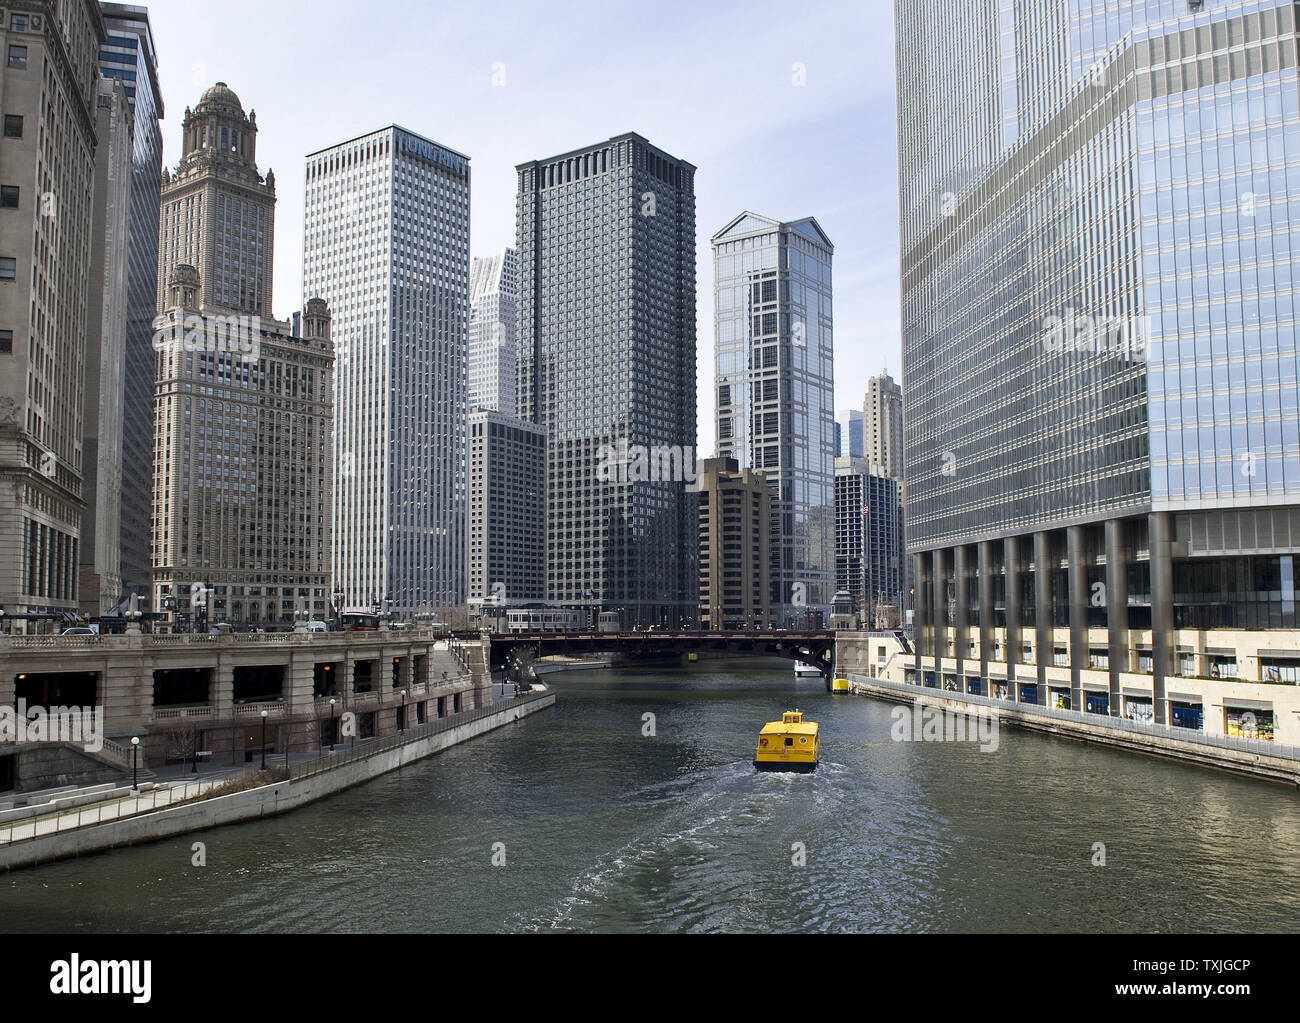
[[1162, 612], [960, 628], [1043, 643], [1014, 582], [1078, 591], [299, 681], [939, 606], [1117, 607], [986, 613], [923, 609]]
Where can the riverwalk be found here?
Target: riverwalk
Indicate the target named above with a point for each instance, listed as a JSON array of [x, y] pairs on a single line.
[[179, 806]]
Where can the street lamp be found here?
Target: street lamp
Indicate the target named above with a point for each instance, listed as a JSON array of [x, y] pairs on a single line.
[[263, 740], [334, 726], [135, 761], [403, 728]]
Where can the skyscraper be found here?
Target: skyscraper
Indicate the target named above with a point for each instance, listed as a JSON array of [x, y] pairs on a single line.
[[606, 241], [869, 540], [735, 526], [1100, 350], [218, 211], [776, 391], [128, 54], [507, 509], [493, 330], [49, 82], [848, 434], [386, 243], [882, 425], [104, 392]]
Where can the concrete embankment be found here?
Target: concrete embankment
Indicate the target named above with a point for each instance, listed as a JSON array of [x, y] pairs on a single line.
[[1161, 744], [551, 667], [303, 788]]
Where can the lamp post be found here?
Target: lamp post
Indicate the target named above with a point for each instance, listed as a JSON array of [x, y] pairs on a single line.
[[334, 726], [263, 740], [403, 728], [135, 765]]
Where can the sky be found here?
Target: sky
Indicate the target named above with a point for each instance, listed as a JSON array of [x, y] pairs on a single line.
[[787, 109]]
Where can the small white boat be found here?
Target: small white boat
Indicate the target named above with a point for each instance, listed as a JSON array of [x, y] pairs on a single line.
[[802, 670]]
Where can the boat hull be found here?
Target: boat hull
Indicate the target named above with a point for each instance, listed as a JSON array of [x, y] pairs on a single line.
[[787, 768]]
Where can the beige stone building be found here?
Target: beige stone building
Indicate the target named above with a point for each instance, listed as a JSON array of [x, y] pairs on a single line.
[[48, 81], [735, 546], [218, 211]]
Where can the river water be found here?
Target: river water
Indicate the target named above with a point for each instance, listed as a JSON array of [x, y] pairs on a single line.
[[595, 826]]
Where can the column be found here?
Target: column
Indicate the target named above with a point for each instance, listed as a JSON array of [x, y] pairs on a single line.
[[1078, 590], [1043, 643], [939, 605], [961, 632], [986, 612], [1162, 612], [1117, 607], [1014, 584], [921, 619]]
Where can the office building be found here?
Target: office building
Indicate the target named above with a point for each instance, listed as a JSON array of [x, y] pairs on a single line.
[[493, 332], [507, 510], [128, 55], [869, 541], [1100, 354], [606, 242], [244, 423], [735, 530], [776, 388], [882, 425], [104, 389], [218, 210], [386, 244], [848, 434], [49, 81]]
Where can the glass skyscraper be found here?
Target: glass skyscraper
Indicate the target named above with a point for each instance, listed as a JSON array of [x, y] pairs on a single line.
[[606, 242], [494, 332], [387, 246], [128, 54], [776, 394], [1100, 242]]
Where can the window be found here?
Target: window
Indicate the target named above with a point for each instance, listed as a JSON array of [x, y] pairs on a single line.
[[18, 56], [9, 197], [13, 126], [8, 268], [18, 23], [6, 342]]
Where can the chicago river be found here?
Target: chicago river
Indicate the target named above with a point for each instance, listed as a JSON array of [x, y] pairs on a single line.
[[578, 819]]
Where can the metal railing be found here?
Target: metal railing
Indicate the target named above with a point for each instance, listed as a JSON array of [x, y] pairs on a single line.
[[1257, 747], [372, 747], [101, 813]]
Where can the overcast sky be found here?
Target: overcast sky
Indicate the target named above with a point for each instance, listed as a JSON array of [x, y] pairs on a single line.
[[711, 82]]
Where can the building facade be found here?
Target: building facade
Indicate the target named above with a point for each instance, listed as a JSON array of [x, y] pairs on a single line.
[[218, 210], [1100, 353], [103, 416], [49, 81], [869, 541], [776, 389], [493, 332], [242, 503], [507, 509], [848, 434], [606, 242], [735, 529], [128, 55], [386, 243], [882, 425]]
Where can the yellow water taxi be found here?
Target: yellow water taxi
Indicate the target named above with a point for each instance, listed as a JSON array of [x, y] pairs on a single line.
[[791, 744]]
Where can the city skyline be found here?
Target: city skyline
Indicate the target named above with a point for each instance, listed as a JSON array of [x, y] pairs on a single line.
[[495, 124]]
